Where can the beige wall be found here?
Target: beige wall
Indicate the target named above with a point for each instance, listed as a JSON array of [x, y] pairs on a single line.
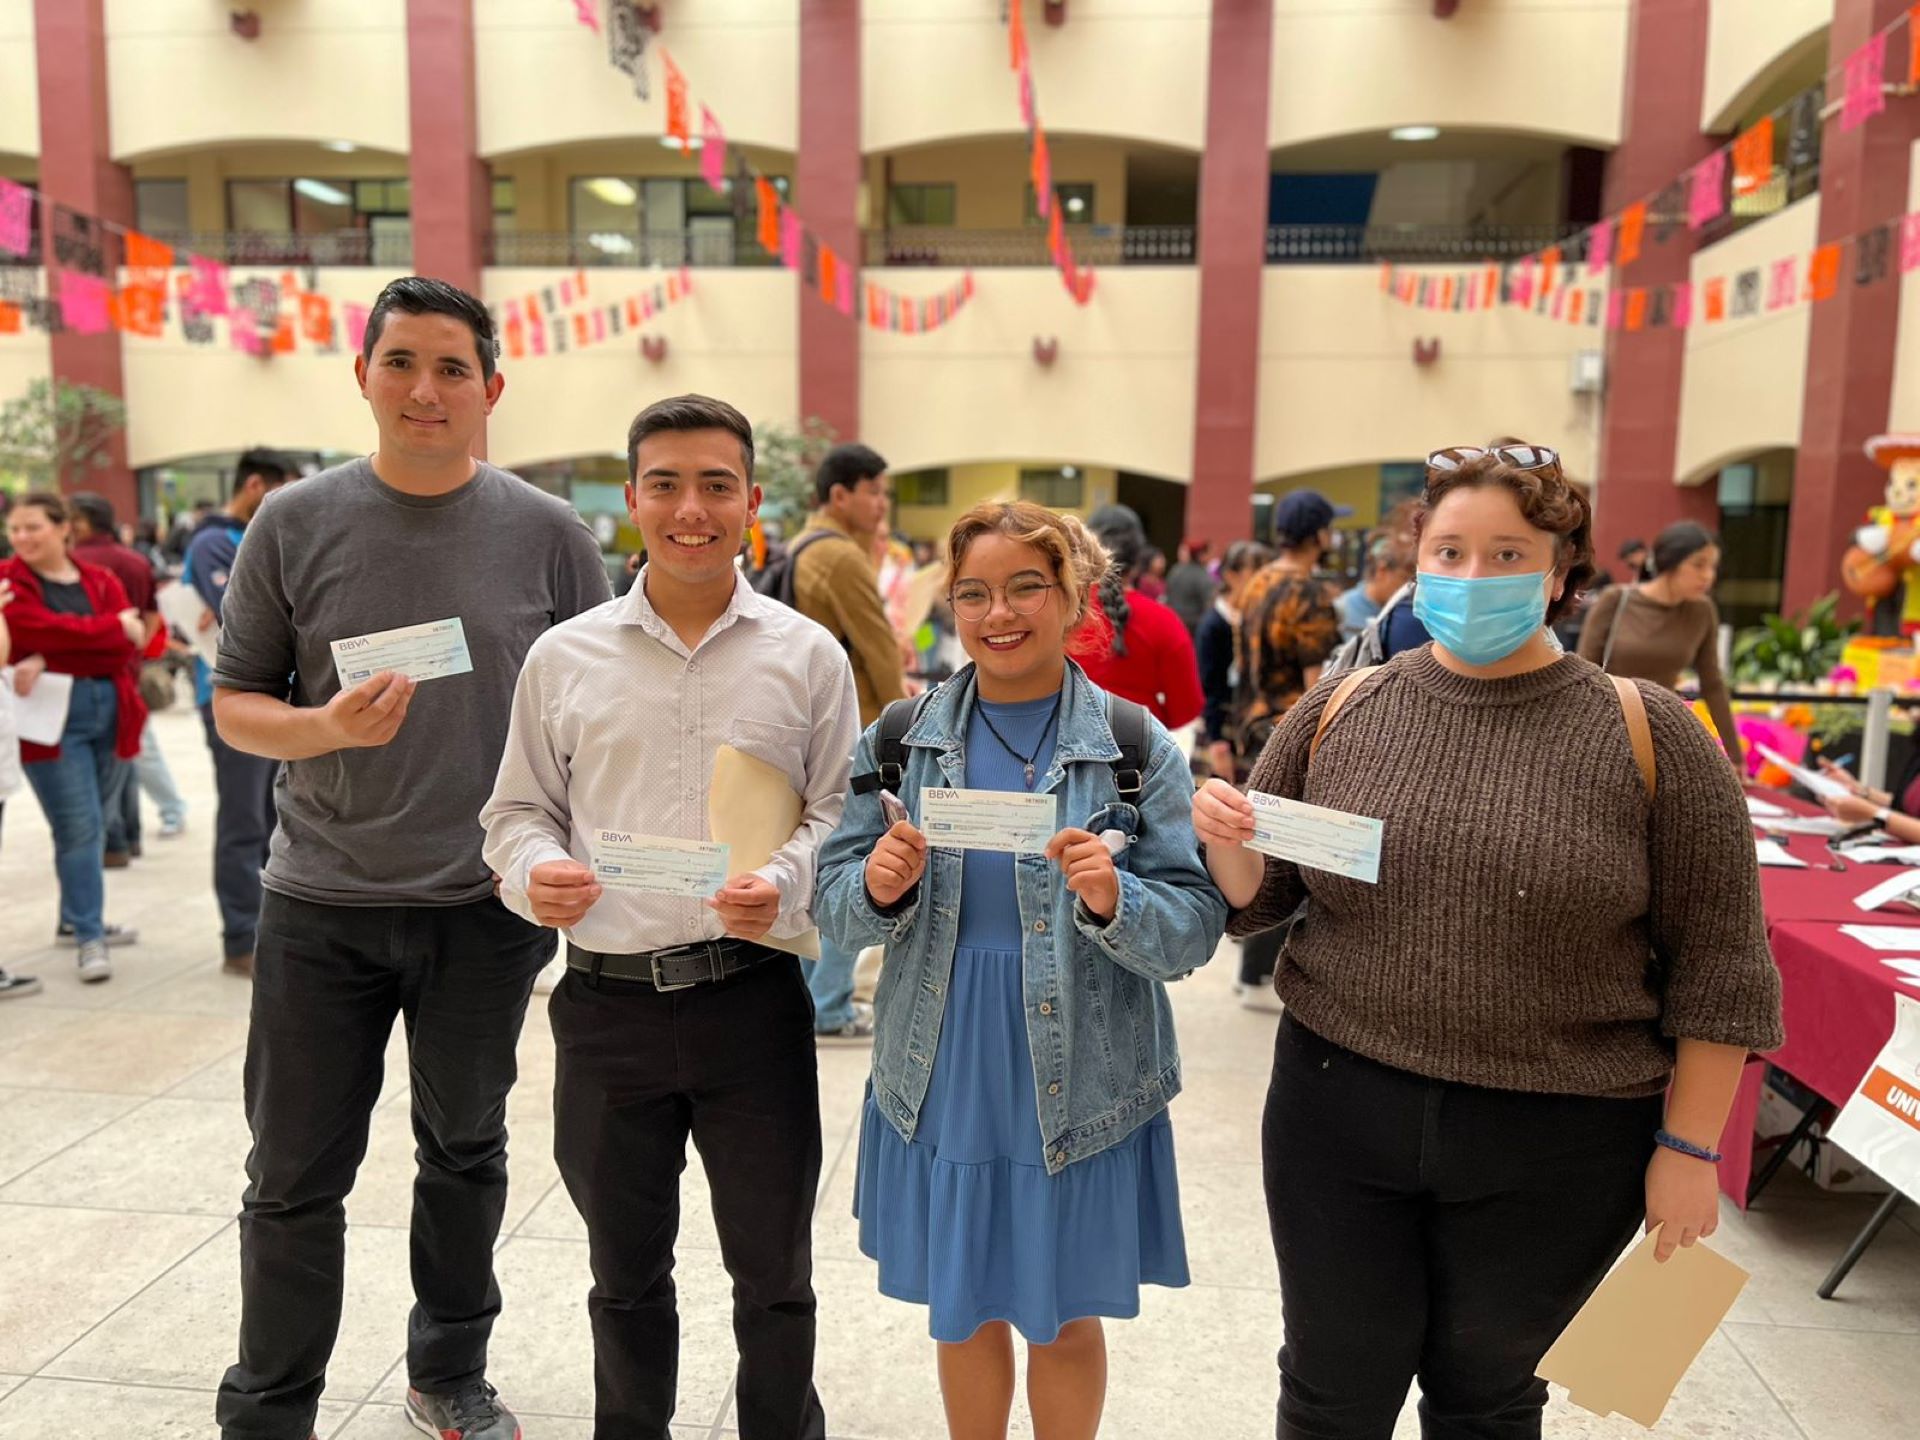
[[24, 358], [737, 337], [1906, 361], [1338, 385], [1355, 486], [321, 70], [937, 69], [970, 485], [1746, 379], [1352, 67], [544, 79], [1746, 41], [20, 95], [990, 177], [1119, 394]]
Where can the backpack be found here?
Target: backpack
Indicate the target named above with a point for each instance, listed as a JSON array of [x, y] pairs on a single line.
[[1369, 647], [778, 580], [1127, 719]]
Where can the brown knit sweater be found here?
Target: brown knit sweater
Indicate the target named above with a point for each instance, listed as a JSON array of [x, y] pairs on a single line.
[[1523, 883]]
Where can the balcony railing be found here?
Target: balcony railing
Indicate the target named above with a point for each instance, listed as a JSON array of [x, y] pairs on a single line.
[[718, 246], [1092, 245], [1407, 244], [387, 250]]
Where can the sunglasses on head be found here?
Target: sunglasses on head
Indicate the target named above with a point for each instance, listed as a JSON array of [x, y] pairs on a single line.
[[1520, 457]]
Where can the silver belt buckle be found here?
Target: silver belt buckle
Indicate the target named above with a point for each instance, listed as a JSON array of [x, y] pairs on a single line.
[[661, 985]]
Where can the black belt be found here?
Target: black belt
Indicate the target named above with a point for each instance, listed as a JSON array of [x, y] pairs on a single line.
[[680, 967]]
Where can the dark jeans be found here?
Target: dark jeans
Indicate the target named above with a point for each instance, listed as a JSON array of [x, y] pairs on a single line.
[[242, 826], [76, 792], [328, 981], [123, 808], [1260, 956], [731, 1064], [1435, 1230]]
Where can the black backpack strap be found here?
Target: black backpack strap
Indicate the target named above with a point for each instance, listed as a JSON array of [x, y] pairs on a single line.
[[1128, 721], [890, 745]]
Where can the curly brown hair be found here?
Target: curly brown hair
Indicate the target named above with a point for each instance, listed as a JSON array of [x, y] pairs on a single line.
[[1547, 500], [1079, 560]]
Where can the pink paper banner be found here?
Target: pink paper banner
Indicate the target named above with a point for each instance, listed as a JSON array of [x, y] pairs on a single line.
[[244, 331], [536, 334], [791, 232], [1027, 111], [843, 292], [1523, 284], [1864, 96], [588, 13], [356, 321], [208, 291], [85, 303], [1616, 309], [1707, 200], [1910, 243], [566, 293], [713, 151], [16, 217], [1682, 305], [1784, 286], [1600, 248], [599, 325]]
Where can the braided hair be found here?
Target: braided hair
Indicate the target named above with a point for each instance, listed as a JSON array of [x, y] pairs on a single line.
[[1118, 528]]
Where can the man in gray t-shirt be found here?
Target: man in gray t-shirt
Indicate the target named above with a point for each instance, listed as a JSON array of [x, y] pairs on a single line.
[[377, 900]]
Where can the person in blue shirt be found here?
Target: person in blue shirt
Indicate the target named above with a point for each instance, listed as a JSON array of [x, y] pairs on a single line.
[[1016, 1166], [243, 783]]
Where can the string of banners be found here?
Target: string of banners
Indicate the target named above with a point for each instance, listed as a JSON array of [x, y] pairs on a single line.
[[1572, 279], [551, 320], [1077, 279], [1872, 257], [776, 225]]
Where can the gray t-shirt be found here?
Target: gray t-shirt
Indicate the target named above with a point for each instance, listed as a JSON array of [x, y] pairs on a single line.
[[343, 554]]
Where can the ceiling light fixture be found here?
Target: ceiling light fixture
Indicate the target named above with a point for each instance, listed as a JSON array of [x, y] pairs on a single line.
[[1415, 132], [339, 147], [322, 193], [672, 142], [612, 190]]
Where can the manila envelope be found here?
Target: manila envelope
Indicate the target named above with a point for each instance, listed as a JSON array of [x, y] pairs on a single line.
[[752, 809], [1638, 1334]]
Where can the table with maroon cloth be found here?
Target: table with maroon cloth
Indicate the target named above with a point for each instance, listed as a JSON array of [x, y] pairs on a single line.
[[1837, 999]]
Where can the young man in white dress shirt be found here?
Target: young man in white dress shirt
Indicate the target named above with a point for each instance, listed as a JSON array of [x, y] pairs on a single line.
[[673, 1020]]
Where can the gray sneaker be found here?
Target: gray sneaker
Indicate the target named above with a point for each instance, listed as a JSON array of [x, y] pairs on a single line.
[[94, 964], [854, 1032], [473, 1412], [112, 935], [13, 986]]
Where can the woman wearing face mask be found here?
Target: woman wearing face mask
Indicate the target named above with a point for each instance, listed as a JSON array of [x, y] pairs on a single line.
[[1016, 1158], [1668, 623], [1465, 1123]]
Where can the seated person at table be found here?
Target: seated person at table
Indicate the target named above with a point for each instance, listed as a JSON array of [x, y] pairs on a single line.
[[1897, 811]]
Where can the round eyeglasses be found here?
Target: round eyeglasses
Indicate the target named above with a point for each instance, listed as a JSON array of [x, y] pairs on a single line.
[[1026, 594]]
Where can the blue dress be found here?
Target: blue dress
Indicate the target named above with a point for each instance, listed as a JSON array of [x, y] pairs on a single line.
[[965, 1219]]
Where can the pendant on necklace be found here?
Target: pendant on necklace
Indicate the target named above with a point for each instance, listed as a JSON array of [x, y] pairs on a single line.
[[1029, 775]]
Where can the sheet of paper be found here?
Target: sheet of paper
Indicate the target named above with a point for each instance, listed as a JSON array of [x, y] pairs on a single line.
[[988, 820], [41, 717], [183, 609], [1759, 808], [1772, 852], [1905, 965], [658, 865], [1883, 854], [1802, 825], [419, 652], [1816, 784], [1901, 883], [753, 810], [1640, 1332], [1317, 838], [1884, 937], [1880, 1124], [922, 589]]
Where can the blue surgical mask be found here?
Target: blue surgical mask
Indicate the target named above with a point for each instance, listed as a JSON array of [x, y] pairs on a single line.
[[1483, 620]]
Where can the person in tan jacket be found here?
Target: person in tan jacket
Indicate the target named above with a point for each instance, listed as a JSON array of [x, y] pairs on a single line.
[[835, 584]]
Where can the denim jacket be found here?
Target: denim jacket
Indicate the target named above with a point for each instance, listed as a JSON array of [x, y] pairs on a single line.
[[1098, 1020]]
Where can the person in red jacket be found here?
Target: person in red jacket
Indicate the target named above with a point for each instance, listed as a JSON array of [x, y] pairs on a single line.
[[1149, 658], [73, 619]]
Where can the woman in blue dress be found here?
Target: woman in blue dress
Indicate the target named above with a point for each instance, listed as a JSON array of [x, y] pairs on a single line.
[[1016, 1159]]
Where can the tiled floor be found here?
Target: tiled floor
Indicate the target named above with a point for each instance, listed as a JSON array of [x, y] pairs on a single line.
[[121, 1141]]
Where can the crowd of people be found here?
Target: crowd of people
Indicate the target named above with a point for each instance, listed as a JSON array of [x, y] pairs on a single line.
[[1484, 1081]]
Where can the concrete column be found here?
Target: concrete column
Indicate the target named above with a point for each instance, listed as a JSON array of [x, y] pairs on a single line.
[[827, 190]]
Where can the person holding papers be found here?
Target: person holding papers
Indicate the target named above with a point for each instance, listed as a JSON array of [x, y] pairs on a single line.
[[1894, 810], [1020, 842], [371, 632], [73, 628], [1533, 906], [681, 1013]]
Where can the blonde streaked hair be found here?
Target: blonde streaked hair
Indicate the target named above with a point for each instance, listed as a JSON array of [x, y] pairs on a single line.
[[1079, 561]]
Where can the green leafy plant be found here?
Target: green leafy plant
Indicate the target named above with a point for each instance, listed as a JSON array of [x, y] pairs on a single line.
[[784, 459], [1795, 650], [58, 430]]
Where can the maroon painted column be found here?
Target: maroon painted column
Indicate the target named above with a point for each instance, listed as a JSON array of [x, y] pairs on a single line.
[[1850, 350], [1232, 250], [827, 190], [451, 186], [77, 171], [1660, 138]]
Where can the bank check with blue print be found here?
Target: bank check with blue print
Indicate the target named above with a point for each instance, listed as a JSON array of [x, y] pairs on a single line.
[[988, 820], [419, 652], [1316, 837], [658, 864]]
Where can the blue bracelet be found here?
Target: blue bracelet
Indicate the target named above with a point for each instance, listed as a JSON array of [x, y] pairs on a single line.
[[1685, 1147]]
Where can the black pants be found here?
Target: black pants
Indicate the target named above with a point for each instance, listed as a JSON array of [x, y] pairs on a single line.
[[242, 826], [731, 1064], [1435, 1230], [328, 981], [1259, 956]]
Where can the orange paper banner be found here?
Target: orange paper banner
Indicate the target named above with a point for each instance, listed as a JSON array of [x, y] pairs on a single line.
[[1633, 224], [1715, 302], [1753, 158], [1636, 310], [1823, 273], [316, 319], [1549, 266], [769, 216], [9, 319], [283, 339], [145, 253]]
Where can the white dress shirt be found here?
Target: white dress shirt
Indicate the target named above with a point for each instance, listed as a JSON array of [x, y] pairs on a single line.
[[615, 724]]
